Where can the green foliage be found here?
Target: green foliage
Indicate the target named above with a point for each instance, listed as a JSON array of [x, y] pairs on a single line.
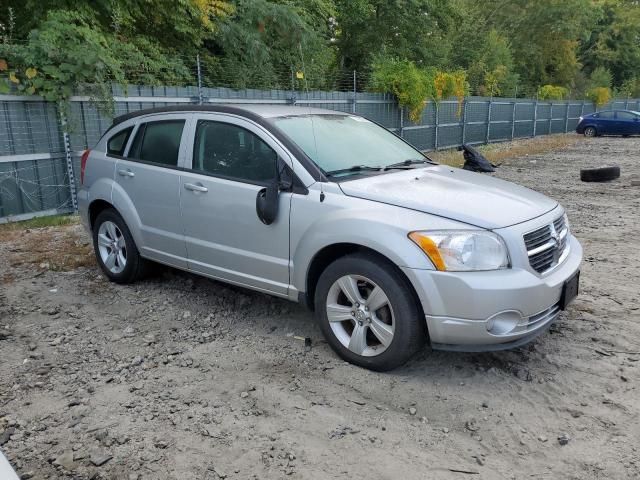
[[488, 59], [630, 88], [416, 30], [414, 86], [263, 44], [411, 85], [64, 57], [612, 41], [600, 77], [599, 96], [503, 47], [552, 92]]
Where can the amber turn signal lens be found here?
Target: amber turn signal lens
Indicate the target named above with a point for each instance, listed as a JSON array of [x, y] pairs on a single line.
[[429, 247]]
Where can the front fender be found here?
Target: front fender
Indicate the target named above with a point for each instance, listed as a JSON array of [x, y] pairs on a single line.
[[341, 219]]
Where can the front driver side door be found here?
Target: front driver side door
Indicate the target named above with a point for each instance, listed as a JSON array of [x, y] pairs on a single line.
[[606, 123], [232, 160]]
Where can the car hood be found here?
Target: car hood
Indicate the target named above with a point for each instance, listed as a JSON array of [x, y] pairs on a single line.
[[473, 198]]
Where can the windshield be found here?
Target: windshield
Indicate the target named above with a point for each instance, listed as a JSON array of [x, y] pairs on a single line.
[[338, 142]]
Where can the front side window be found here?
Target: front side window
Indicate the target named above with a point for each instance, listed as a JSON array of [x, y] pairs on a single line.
[[158, 142], [337, 142], [605, 115], [117, 143], [231, 151]]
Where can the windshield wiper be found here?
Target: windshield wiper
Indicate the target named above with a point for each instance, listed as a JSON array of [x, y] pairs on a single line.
[[406, 163], [353, 169]]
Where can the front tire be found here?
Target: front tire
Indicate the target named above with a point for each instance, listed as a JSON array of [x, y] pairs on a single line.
[[368, 313], [115, 250]]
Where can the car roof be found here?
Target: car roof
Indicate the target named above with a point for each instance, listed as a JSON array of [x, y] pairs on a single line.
[[615, 111], [250, 111]]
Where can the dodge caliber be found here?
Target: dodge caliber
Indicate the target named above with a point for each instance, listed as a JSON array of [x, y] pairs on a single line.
[[390, 249]]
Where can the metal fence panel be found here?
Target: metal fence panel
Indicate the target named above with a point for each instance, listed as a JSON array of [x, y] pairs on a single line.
[[34, 172]]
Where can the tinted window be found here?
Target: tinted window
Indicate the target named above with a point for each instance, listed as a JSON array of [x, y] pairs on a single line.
[[605, 115], [158, 142], [231, 151], [117, 143], [625, 116]]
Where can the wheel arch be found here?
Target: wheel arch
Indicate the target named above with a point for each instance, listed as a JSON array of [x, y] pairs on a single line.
[[95, 208], [330, 253], [591, 125]]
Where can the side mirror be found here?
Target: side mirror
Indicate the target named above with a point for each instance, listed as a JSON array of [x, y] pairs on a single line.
[[267, 203]]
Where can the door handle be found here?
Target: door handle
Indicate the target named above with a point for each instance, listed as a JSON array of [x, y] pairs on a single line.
[[126, 173], [196, 187]]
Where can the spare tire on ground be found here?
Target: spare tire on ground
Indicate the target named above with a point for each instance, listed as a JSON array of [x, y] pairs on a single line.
[[600, 174]]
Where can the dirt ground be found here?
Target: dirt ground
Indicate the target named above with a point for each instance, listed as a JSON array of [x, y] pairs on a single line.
[[184, 378]]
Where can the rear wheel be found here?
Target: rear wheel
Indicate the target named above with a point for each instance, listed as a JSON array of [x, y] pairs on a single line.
[[115, 249], [367, 312], [590, 132]]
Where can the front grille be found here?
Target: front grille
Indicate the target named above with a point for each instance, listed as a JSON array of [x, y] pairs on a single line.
[[546, 244]]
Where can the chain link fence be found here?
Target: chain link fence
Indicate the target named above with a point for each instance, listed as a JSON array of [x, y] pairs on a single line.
[[39, 153]]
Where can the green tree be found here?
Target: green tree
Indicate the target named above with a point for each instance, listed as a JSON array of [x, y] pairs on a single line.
[[266, 44], [413, 29], [613, 42], [543, 35]]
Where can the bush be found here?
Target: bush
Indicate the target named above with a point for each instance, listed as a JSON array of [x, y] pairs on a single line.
[[552, 92], [452, 84], [411, 85], [414, 86], [599, 96]]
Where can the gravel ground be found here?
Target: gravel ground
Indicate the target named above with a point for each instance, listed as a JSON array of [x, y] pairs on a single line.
[[182, 377]]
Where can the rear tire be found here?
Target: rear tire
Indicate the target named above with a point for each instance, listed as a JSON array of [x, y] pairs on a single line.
[[375, 321], [590, 132], [116, 252]]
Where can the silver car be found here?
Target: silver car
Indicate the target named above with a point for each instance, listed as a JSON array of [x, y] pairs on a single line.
[[331, 210]]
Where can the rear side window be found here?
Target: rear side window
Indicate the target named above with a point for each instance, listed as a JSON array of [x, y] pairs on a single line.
[[158, 142], [625, 116], [117, 143]]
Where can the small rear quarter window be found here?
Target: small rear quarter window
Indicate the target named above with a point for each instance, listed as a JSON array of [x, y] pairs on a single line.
[[117, 143]]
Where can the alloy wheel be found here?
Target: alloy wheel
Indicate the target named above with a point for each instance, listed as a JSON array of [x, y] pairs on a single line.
[[360, 315], [112, 247]]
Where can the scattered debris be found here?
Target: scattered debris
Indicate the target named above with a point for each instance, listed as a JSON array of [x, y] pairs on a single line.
[[98, 459]]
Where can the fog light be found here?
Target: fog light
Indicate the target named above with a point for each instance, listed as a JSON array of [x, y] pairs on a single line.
[[504, 322]]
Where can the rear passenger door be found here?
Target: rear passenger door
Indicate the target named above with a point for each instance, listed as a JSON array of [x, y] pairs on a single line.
[[148, 187], [625, 123], [232, 160]]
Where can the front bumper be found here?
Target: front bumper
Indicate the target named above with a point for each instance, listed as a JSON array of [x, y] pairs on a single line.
[[480, 311]]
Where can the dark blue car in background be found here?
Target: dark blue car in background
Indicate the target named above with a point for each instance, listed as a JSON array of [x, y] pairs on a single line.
[[610, 122]]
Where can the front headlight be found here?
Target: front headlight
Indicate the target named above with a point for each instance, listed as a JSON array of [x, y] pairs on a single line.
[[463, 250]]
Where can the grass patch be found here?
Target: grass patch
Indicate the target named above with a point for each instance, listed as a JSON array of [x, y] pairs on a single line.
[[47, 243], [40, 222], [499, 152]]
